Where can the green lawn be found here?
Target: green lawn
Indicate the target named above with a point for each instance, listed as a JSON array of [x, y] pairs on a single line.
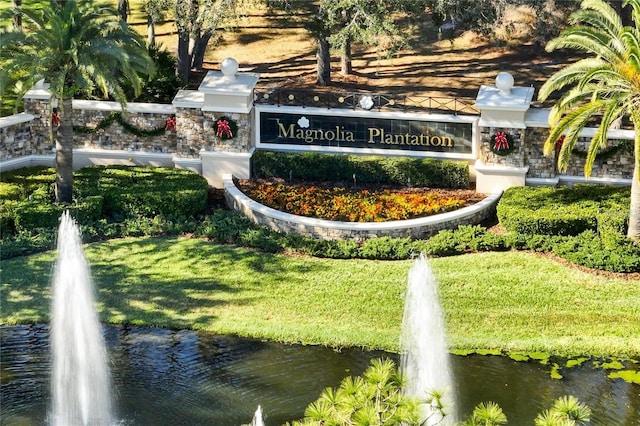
[[510, 301]]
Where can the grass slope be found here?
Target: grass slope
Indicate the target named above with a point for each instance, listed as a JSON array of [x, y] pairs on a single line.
[[510, 301]]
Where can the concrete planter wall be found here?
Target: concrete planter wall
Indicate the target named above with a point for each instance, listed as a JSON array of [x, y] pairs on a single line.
[[358, 231]]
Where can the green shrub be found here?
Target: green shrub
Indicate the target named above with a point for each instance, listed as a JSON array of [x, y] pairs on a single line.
[[612, 226], [224, 226], [489, 242], [557, 211], [30, 178], [37, 240], [361, 169], [442, 244], [386, 248], [10, 191], [336, 249], [588, 250], [465, 238], [144, 191], [263, 239], [151, 204], [30, 214], [7, 217]]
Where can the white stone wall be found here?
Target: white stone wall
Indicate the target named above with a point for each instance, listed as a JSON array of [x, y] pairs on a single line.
[[29, 134]]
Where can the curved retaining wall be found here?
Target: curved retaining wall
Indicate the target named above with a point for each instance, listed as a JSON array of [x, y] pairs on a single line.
[[330, 230]]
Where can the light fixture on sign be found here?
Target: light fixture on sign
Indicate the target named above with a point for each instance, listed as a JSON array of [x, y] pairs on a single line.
[[366, 102]]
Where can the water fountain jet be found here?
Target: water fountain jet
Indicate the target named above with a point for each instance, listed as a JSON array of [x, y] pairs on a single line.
[[425, 356], [80, 383], [257, 418]]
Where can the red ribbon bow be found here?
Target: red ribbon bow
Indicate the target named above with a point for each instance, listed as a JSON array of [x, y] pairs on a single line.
[[171, 124], [55, 119], [223, 129], [501, 141]]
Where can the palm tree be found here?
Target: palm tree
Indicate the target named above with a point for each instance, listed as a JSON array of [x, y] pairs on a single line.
[[77, 46], [566, 410], [605, 85]]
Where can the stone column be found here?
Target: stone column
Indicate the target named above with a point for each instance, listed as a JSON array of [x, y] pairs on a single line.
[[37, 102], [502, 109], [223, 95]]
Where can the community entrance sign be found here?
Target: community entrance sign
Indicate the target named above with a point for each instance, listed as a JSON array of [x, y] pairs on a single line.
[[356, 131]]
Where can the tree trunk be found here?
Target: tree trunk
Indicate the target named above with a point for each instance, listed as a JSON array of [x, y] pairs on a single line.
[[634, 213], [17, 18], [184, 57], [63, 136], [123, 9], [345, 59], [200, 48], [151, 31], [323, 60]]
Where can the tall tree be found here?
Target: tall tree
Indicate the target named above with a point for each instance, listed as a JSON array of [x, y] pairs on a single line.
[[339, 24], [155, 12], [197, 22], [605, 85], [371, 22], [76, 46]]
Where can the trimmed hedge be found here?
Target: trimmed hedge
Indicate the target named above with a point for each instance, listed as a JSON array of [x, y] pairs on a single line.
[[141, 200], [10, 191], [31, 215], [366, 169], [603, 247], [612, 226], [29, 178], [559, 211], [144, 191]]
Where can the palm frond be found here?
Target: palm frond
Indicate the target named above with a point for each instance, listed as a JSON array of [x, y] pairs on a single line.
[[635, 9], [612, 112], [588, 40], [489, 413], [81, 46], [570, 127], [319, 410], [571, 408], [569, 76], [599, 14]]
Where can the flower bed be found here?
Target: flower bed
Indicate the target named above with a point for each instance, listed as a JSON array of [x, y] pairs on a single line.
[[356, 204]]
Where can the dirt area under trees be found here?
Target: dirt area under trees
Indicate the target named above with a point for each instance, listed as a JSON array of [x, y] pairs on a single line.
[[283, 52]]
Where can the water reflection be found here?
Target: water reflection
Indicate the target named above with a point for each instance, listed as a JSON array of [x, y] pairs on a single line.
[[166, 377]]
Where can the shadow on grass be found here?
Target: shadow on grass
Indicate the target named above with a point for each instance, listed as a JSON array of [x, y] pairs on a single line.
[[156, 282]]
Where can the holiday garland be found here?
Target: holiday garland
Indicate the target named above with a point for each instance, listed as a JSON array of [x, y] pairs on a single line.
[[117, 116], [602, 155], [501, 143], [225, 128]]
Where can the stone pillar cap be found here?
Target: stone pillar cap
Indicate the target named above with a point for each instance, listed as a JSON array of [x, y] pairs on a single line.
[[229, 68], [504, 83]]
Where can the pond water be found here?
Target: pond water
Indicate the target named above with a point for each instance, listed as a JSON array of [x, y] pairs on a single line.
[[167, 377]]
